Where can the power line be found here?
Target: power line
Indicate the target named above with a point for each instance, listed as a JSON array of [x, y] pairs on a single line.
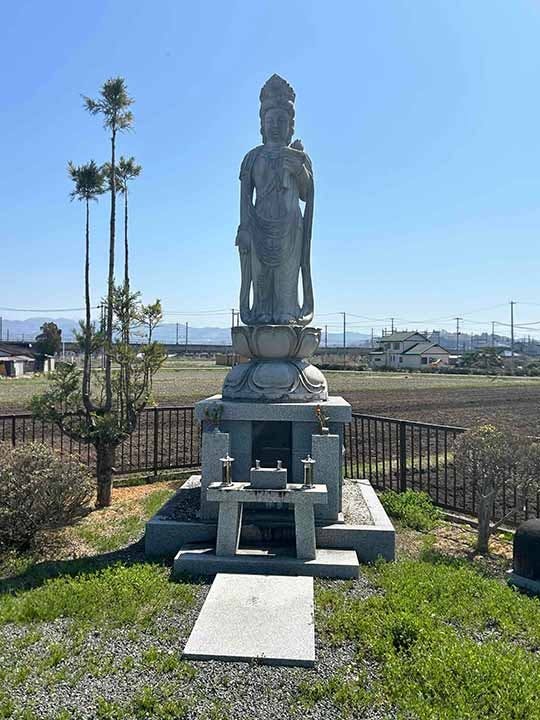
[[44, 310]]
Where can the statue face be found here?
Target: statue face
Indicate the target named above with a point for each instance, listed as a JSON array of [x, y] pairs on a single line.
[[276, 126]]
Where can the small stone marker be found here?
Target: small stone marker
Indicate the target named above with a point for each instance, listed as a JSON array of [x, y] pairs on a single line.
[[246, 617]]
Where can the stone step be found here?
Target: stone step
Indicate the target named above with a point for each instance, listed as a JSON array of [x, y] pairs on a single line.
[[197, 559], [254, 617]]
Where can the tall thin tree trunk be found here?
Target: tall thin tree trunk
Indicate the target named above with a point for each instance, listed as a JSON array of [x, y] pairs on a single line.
[[126, 246], [87, 348], [110, 287], [104, 471]]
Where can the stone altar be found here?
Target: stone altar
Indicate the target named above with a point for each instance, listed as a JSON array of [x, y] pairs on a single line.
[[231, 500]]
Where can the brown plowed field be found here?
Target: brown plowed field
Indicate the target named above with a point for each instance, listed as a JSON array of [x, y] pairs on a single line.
[[444, 399], [518, 407]]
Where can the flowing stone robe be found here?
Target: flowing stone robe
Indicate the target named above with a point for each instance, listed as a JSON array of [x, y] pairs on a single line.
[[274, 238]]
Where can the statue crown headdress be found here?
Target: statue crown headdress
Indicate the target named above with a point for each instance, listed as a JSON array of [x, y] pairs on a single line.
[[276, 92]]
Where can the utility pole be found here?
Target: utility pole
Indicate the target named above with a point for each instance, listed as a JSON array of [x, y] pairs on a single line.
[[512, 303], [457, 333], [187, 335], [372, 338], [233, 315], [177, 333], [326, 336], [493, 333], [392, 325], [344, 337], [1, 328]]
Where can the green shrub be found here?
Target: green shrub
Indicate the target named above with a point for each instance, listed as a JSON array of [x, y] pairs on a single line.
[[413, 509], [38, 489]]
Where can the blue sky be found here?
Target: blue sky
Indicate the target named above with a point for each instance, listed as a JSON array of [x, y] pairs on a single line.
[[422, 120]]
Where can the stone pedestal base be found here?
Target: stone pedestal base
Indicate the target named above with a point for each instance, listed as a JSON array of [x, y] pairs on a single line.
[[278, 370], [274, 381], [202, 560]]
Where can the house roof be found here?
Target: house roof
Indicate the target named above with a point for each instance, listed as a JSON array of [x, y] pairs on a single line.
[[421, 348], [401, 336], [13, 349], [15, 358]]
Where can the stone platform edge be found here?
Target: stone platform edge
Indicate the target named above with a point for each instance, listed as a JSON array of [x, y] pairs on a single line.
[[524, 583], [337, 408], [164, 537]]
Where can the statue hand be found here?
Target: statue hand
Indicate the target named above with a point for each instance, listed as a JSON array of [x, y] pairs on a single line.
[[294, 162], [243, 240]]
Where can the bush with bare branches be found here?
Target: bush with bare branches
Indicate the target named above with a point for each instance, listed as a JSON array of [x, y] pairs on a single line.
[[38, 490], [496, 462]]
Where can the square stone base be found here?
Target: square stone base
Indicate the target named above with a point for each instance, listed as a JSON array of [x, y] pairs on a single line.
[[194, 559]]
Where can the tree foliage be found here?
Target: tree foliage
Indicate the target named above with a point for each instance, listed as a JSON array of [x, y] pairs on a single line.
[[485, 359], [49, 340]]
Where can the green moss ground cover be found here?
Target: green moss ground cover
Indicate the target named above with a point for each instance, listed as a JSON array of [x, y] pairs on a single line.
[[413, 509], [446, 642]]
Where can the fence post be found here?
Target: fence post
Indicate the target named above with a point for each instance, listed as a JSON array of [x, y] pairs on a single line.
[[13, 431], [155, 442], [402, 458]]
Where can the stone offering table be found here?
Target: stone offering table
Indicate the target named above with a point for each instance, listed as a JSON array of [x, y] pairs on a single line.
[[231, 499]]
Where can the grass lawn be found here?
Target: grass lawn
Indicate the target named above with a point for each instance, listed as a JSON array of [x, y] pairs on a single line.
[[436, 635]]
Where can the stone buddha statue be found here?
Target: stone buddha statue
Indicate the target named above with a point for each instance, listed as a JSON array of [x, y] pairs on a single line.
[[274, 238], [274, 241]]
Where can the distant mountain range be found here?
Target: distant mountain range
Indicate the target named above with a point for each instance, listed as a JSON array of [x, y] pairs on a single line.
[[26, 331]]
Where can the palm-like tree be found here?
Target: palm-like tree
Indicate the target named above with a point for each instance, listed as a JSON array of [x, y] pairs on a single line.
[[89, 183], [113, 103], [126, 170]]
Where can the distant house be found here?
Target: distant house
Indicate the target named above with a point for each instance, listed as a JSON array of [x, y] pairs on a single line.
[[411, 350], [13, 363], [17, 360], [423, 355]]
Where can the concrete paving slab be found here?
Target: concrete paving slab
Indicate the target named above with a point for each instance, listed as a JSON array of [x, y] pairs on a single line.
[[199, 559], [246, 617]]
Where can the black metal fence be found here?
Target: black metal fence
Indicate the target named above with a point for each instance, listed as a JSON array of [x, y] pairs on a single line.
[[392, 454], [398, 455], [165, 439]]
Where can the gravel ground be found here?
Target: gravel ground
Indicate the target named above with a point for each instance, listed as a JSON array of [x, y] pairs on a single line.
[[110, 665], [184, 504], [355, 510]]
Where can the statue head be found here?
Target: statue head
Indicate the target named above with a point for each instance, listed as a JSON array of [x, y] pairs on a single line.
[[277, 111]]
